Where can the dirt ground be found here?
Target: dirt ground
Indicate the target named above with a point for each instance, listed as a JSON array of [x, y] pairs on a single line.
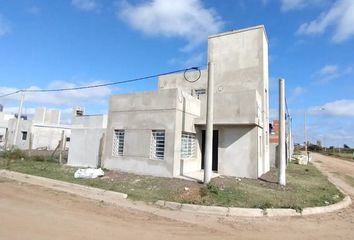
[[33, 212]]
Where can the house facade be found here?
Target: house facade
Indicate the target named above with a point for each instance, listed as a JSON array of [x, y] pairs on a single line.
[[44, 131], [163, 132]]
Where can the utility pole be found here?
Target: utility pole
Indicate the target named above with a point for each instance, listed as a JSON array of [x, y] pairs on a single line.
[[18, 118], [209, 126], [61, 148], [291, 137], [305, 130], [282, 160]]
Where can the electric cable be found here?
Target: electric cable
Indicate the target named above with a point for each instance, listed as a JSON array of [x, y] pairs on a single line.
[[108, 84]]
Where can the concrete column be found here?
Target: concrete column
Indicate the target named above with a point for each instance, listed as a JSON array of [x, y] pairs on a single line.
[[282, 160], [305, 131], [209, 126], [18, 118]]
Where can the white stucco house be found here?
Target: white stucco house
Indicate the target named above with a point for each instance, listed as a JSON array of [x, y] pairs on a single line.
[[162, 132], [44, 131]]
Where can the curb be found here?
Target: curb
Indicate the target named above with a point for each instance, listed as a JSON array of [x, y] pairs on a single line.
[[112, 197], [253, 212], [80, 190]]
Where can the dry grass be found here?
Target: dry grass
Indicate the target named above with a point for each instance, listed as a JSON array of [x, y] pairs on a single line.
[[306, 186]]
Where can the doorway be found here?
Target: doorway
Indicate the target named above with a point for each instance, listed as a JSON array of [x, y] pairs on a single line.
[[215, 149]]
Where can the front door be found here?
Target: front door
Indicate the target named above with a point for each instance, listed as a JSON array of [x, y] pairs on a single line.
[[215, 149]]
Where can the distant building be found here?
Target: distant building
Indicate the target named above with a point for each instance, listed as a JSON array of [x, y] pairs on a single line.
[[44, 130], [273, 143], [4, 125]]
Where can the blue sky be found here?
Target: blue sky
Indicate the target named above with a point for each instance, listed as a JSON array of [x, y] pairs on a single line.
[[66, 43]]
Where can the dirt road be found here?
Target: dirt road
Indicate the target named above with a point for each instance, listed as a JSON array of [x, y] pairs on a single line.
[[33, 212]]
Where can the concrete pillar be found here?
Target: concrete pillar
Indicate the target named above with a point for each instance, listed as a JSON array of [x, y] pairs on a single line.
[[209, 126], [282, 160], [18, 119]]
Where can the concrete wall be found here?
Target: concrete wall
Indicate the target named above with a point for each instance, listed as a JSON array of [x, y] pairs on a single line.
[[240, 60], [46, 116], [86, 144], [24, 126], [236, 151], [48, 137], [139, 113], [86, 141]]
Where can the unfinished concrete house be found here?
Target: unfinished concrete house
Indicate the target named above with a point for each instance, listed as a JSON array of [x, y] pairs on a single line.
[[162, 132], [44, 131], [86, 139]]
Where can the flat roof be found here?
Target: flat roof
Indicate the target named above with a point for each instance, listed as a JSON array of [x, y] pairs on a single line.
[[240, 30]]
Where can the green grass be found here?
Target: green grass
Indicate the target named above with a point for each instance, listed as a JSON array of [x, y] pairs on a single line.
[[306, 186], [346, 178], [345, 156]]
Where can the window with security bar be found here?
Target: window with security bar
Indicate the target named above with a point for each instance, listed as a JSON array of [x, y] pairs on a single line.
[[118, 142], [157, 148], [188, 145]]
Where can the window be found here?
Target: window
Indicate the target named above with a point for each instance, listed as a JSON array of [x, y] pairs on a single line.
[[118, 143], [187, 145], [24, 136], [157, 147], [67, 139]]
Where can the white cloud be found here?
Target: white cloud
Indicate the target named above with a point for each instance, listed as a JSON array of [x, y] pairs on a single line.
[[339, 108], [298, 91], [186, 19], [193, 61], [64, 98], [287, 5], [85, 5], [329, 69], [331, 72], [340, 16], [4, 26], [292, 4]]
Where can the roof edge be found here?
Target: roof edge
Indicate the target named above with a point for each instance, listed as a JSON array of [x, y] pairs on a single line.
[[240, 30]]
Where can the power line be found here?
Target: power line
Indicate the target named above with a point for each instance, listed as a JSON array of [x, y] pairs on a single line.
[[104, 84]]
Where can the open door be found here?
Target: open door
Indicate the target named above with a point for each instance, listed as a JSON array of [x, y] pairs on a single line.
[[215, 149]]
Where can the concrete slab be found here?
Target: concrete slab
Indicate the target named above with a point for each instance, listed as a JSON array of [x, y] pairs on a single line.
[[278, 212], [246, 212], [173, 205]]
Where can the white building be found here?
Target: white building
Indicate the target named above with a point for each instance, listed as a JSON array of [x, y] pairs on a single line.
[[163, 132], [44, 131]]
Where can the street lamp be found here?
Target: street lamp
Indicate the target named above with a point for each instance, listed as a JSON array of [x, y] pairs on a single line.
[[305, 125]]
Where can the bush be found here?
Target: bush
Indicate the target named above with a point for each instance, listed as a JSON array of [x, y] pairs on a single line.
[[14, 153]]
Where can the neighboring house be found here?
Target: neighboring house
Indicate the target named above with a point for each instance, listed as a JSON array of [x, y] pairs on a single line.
[[4, 125], [163, 132], [274, 142], [87, 133], [44, 131]]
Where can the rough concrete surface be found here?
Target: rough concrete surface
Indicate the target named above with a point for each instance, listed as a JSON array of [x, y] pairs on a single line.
[[33, 212]]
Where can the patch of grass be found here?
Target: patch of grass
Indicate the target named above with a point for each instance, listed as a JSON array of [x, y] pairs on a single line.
[[349, 180], [346, 178], [306, 186], [348, 156]]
